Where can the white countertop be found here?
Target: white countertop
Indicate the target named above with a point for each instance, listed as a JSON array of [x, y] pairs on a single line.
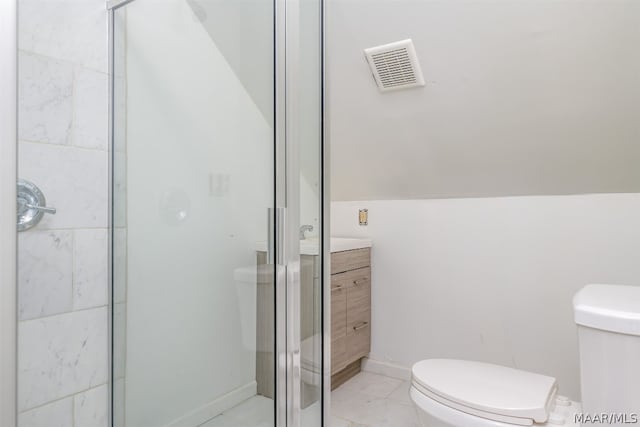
[[338, 244]]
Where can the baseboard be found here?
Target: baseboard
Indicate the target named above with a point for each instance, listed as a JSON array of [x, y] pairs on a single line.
[[216, 407], [387, 369]]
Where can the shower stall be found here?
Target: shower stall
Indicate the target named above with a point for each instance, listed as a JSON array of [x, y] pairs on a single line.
[[216, 163], [170, 162]]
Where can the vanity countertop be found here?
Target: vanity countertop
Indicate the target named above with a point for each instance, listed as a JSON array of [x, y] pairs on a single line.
[[338, 244]]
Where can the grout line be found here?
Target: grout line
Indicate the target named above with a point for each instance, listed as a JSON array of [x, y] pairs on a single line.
[[351, 422], [63, 313], [124, 145], [73, 411], [69, 145], [72, 395], [67, 61], [398, 387], [90, 228], [73, 269], [46, 230]]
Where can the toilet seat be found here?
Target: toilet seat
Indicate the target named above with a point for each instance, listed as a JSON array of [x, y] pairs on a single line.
[[489, 391], [449, 416]]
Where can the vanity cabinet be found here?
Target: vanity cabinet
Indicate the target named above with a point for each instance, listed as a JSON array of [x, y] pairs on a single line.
[[350, 316], [310, 327], [350, 312]]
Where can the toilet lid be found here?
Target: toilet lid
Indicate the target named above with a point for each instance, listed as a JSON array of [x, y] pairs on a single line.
[[487, 388]]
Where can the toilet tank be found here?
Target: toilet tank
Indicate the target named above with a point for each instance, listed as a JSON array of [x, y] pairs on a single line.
[[608, 319]]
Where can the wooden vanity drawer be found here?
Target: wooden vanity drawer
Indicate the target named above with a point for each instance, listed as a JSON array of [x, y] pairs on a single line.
[[350, 279], [339, 355], [359, 341], [359, 300], [338, 312], [350, 260], [356, 318]]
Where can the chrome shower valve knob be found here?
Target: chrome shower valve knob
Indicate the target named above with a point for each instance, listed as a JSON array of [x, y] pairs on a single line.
[[31, 205]]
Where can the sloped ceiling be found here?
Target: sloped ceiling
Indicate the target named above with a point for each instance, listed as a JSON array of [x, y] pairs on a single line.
[[243, 32], [523, 97]]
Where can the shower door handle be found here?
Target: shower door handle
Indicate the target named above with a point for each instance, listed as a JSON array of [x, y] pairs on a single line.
[[281, 230], [270, 236], [276, 227]]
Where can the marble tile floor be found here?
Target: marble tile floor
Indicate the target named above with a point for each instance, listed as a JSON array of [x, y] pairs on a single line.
[[254, 412], [258, 412], [366, 400], [371, 400]]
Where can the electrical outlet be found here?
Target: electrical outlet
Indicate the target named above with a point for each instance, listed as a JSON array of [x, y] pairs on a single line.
[[363, 217]]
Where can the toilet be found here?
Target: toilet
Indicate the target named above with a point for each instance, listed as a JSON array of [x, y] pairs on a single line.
[[463, 393]]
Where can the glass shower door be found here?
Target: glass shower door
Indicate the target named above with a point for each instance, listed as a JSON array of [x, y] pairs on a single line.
[[216, 213], [193, 181]]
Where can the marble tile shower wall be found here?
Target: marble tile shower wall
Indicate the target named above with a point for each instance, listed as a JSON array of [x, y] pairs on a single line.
[[62, 279]]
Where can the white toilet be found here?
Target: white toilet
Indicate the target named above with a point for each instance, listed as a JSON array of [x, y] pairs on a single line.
[[461, 393]]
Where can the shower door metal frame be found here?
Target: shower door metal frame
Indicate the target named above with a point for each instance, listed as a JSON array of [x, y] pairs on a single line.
[[288, 284], [282, 359], [325, 212], [8, 233], [110, 126], [287, 137], [288, 404]]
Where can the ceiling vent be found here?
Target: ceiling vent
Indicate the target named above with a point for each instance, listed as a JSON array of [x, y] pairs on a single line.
[[395, 66]]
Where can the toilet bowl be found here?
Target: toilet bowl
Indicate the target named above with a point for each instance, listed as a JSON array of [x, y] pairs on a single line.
[[463, 393], [247, 280], [434, 414]]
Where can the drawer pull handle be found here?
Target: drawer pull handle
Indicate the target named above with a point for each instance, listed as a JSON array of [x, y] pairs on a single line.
[[359, 282], [360, 326], [337, 288]]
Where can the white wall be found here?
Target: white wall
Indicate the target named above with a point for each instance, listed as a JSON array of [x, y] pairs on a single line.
[[238, 27], [522, 97], [308, 103], [62, 263], [491, 279], [190, 125]]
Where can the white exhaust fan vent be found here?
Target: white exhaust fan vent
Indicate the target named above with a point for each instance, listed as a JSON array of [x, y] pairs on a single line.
[[395, 65]]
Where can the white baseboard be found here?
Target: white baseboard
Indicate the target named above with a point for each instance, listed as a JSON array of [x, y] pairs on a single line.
[[387, 369], [217, 406]]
